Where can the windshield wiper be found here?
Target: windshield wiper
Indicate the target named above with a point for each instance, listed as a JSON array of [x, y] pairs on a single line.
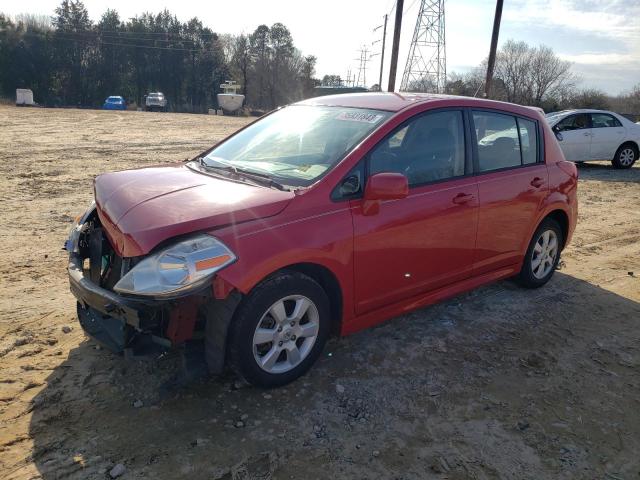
[[262, 178]]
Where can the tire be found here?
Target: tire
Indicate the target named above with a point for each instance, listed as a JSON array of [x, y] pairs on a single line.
[[272, 306], [626, 156], [535, 273]]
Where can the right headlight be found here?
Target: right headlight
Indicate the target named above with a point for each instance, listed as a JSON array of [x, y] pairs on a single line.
[[173, 271], [72, 243]]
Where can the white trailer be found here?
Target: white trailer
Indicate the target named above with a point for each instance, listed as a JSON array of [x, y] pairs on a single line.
[[24, 97]]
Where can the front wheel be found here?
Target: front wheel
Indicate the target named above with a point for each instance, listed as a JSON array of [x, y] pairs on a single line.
[[279, 330], [542, 255], [625, 157]]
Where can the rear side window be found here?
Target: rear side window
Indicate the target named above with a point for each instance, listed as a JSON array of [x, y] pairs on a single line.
[[498, 141], [428, 148], [602, 120], [528, 140]]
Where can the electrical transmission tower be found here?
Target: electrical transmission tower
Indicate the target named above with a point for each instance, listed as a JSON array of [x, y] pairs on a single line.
[[426, 68], [362, 69]]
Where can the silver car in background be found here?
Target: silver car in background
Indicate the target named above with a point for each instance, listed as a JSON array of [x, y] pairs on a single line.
[[155, 101]]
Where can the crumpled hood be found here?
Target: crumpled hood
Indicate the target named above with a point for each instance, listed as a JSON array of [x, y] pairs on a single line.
[[141, 208]]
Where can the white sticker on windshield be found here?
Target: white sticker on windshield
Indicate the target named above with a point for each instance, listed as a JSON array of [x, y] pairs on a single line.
[[359, 117]]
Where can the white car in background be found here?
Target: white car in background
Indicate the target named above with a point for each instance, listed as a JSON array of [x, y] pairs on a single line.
[[587, 135]]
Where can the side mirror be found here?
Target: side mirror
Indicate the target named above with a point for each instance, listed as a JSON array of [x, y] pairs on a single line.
[[350, 185], [556, 131], [383, 186]]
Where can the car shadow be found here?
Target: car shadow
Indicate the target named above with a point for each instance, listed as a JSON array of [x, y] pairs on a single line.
[[605, 172], [492, 381]]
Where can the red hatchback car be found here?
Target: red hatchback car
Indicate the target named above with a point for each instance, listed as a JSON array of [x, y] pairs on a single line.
[[323, 217]]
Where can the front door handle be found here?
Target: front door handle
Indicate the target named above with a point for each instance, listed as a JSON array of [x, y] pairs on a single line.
[[462, 198], [537, 182], [587, 134]]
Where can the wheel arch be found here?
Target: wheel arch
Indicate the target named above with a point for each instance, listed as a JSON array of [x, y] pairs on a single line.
[[561, 217], [633, 143], [224, 310], [329, 283]]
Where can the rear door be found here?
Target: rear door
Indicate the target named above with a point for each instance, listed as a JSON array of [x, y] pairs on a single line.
[[426, 240], [575, 137], [512, 183], [607, 134]]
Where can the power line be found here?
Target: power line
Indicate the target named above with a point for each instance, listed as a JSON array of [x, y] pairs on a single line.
[[93, 35], [115, 44], [132, 32], [409, 7], [393, 7]]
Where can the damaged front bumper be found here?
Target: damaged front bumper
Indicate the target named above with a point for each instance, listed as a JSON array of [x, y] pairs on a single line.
[[114, 321]]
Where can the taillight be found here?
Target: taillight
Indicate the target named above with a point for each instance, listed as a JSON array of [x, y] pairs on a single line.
[[569, 168]]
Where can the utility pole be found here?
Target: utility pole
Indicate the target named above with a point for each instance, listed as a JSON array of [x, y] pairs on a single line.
[[396, 45], [492, 51], [384, 38]]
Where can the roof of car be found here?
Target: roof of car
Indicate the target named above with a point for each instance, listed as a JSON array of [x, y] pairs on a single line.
[[580, 110], [393, 102]]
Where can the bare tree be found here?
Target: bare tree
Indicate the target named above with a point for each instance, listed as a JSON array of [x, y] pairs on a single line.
[[531, 74], [590, 98], [548, 75]]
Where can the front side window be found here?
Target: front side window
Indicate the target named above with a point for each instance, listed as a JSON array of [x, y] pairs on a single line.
[[603, 120], [498, 141], [573, 122], [297, 144], [427, 149]]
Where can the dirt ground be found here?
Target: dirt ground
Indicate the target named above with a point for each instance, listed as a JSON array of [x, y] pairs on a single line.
[[498, 383]]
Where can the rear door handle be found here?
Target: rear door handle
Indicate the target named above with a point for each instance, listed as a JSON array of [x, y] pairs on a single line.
[[587, 134], [463, 198], [537, 182]]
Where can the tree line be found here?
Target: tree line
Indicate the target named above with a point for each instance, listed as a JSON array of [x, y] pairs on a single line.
[[68, 60]]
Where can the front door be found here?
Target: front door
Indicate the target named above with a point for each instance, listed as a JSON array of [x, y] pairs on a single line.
[[575, 137], [426, 240]]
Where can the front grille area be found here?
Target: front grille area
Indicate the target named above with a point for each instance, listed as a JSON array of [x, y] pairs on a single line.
[[104, 267]]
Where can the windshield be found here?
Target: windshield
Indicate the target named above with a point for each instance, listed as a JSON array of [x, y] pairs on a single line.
[[298, 144]]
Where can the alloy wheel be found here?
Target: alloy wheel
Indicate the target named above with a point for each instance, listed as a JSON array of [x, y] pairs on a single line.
[[286, 334], [627, 156], [544, 254]]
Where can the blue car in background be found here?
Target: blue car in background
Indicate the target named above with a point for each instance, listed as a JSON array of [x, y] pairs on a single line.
[[114, 103]]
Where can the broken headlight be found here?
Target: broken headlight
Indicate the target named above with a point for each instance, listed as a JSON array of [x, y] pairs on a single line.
[[73, 241], [181, 267]]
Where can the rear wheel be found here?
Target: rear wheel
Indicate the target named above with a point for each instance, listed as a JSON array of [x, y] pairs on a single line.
[[279, 330], [626, 156], [542, 255]]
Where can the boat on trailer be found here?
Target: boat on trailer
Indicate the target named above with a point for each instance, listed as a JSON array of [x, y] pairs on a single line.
[[230, 101]]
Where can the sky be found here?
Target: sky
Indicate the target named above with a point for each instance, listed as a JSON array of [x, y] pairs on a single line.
[[600, 37]]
